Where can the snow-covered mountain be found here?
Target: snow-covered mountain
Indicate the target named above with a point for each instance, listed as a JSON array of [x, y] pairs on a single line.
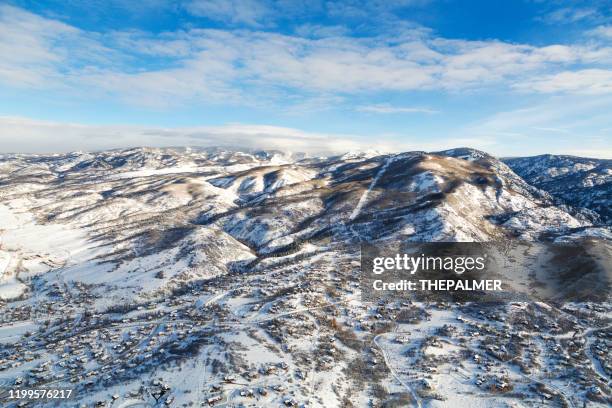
[[578, 182], [143, 209], [144, 255]]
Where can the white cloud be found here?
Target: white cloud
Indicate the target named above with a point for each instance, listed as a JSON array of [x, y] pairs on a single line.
[[604, 31], [551, 129], [389, 109], [568, 124], [26, 46], [568, 15], [25, 135], [249, 12], [256, 67], [19, 134], [586, 81], [504, 134], [321, 31], [39, 52]]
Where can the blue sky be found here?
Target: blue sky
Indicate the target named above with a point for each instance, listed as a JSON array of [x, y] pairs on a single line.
[[515, 77]]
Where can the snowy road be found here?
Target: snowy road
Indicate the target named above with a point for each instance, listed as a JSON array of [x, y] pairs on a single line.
[[415, 397], [594, 361]]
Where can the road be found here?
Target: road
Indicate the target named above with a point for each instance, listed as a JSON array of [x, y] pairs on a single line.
[[415, 397], [587, 350]]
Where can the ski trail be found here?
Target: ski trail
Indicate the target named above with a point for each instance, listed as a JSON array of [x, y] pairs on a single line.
[[364, 196], [4, 264]]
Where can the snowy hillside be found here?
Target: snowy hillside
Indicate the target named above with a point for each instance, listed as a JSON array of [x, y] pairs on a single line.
[[225, 277], [578, 182]]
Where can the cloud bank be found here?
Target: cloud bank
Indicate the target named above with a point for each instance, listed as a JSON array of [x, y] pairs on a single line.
[[24, 135]]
